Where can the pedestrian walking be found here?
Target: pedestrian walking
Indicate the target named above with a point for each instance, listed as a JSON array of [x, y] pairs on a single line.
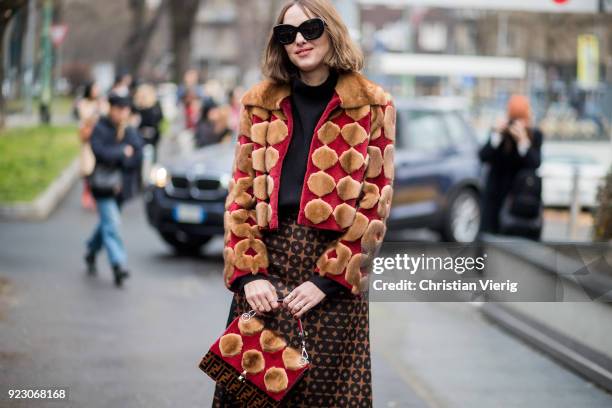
[[118, 152], [511, 193], [147, 106], [89, 108], [309, 200]]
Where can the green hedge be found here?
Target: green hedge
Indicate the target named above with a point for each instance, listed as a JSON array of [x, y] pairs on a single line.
[[32, 157]]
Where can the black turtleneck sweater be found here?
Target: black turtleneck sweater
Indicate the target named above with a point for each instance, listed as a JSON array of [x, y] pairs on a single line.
[[307, 105]]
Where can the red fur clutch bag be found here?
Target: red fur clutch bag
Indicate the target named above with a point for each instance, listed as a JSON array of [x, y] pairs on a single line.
[[255, 364]]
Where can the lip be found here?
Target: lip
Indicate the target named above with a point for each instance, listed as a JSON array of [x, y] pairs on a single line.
[[303, 51]]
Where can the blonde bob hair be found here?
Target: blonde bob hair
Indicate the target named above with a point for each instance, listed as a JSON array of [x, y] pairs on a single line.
[[344, 55]]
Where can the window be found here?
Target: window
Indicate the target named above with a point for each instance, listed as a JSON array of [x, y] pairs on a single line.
[[458, 130], [424, 131]]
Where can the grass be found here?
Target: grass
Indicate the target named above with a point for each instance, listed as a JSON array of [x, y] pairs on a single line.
[[32, 157], [60, 106]]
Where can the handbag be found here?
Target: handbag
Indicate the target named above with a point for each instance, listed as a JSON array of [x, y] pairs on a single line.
[[255, 364], [105, 179], [87, 160]]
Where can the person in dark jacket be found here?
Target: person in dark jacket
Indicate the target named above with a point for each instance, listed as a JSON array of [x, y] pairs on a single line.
[[147, 106], [213, 126], [117, 145], [512, 146]]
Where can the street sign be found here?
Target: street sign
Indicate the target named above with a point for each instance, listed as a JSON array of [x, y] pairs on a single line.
[[58, 34], [588, 61]]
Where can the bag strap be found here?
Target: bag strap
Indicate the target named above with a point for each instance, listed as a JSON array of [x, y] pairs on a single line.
[[304, 359]]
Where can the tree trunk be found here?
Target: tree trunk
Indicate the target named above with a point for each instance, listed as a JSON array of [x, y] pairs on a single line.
[[134, 50], [182, 21], [3, 24], [7, 11]]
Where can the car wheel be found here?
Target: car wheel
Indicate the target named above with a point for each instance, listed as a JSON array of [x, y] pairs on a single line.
[[185, 245], [462, 221]]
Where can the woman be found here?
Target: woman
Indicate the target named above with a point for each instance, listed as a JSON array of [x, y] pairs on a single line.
[[514, 146], [213, 126], [309, 199], [147, 106], [89, 109], [116, 146], [233, 97]]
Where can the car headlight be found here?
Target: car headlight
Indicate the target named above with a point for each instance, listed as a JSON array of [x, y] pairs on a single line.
[[225, 179], [159, 176]]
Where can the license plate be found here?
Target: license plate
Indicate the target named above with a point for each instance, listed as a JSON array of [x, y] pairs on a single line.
[[190, 214]]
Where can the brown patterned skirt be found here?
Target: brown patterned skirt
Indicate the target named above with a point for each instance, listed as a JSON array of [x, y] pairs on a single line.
[[337, 328]]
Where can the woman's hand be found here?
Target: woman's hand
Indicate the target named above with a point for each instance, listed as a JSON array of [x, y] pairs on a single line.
[[261, 295], [518, 130], [303, 298]]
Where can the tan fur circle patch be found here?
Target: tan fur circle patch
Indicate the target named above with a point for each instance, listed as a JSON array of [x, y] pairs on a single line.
[[245, 123], [353, 273], [389, 123], [354, 133], [358, 113], [351, 160], [261, 212], [277, 132], [272, 156], [270, 184], [377, 122], [243, 159], [253, 361], [376, 162], [328, 132], [317, 210], [321, 183], [292, 359], [259, 161], [357, 228], [261, 113], [259, 131], [344, 214], [259, 187], [334, 266], [324, 157], [271, 342], [250, 327], [348, 188], [228, 264], [275, 379], [384, 204], [251, 262], [230, 344], [389, 161], [370, 195], [373, 236]]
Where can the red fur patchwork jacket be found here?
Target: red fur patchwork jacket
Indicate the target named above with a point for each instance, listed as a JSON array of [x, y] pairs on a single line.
[[347, 186]]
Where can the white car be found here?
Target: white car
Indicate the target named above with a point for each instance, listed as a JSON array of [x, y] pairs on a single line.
[[557, 172]]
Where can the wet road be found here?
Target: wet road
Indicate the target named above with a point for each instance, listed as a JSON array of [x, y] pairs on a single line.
[[139, 346]]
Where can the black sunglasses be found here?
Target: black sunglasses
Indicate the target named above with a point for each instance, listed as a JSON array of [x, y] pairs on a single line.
[[311, 30]]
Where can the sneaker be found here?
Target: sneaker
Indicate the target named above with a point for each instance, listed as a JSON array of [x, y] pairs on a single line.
[[90, 261], [120, 275]]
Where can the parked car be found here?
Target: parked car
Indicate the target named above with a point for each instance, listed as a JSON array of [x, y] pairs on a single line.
[[558, 178], [436, 183], [437, 169]]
